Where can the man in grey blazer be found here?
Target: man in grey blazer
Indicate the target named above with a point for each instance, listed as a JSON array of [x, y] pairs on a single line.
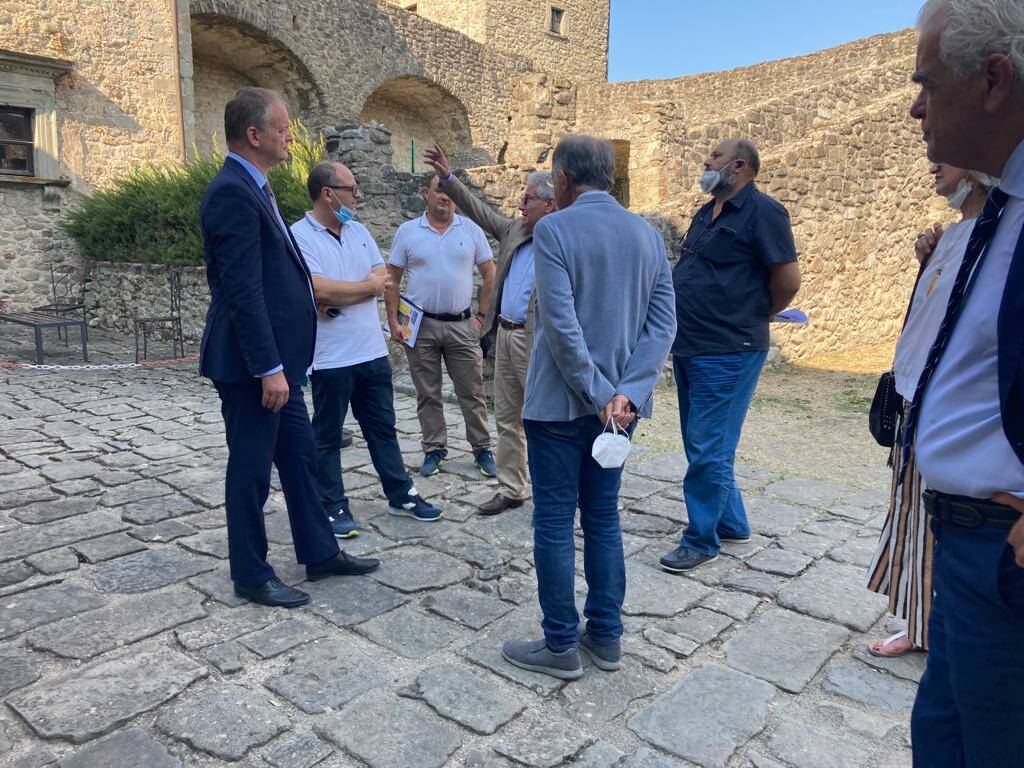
[[605, 321]]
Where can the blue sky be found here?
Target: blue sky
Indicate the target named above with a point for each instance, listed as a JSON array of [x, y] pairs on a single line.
[[670, 38]]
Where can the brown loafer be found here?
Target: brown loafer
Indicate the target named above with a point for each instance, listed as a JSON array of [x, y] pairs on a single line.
[[499, 504]]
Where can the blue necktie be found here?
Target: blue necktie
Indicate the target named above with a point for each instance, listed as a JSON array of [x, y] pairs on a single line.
[[981, 236]]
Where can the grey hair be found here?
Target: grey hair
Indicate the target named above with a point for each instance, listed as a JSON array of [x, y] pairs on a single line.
[[543, 181], [247, 108], [588, 161], [746, 151], [976, 29]]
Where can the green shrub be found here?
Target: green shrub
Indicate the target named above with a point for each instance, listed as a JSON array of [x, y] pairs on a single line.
[[151, 216]]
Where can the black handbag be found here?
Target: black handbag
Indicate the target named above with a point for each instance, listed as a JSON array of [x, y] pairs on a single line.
[[884, 414], [885, 410]]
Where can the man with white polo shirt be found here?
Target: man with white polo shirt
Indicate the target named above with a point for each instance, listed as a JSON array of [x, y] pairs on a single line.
[[439, 251], [350, 364]]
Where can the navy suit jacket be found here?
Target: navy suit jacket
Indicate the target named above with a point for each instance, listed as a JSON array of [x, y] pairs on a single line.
[[1011, 352], [261, 306]]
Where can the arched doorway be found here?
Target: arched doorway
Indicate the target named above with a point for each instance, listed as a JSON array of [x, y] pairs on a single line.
[[420, 113], [227, 54]]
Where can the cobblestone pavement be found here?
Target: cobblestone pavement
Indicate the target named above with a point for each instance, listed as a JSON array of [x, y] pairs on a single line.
[[122, 644]]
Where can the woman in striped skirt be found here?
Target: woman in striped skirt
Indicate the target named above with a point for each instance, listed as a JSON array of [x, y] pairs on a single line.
[[901, 568]]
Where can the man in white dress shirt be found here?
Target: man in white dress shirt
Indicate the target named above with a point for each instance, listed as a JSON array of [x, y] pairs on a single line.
[[967, 418]]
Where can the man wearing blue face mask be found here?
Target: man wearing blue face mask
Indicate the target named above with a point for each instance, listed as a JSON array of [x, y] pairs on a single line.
[[350, 364], [737, 268]]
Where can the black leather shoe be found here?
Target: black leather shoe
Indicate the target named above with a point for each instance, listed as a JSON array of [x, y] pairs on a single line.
[[273, 593], [346, 438], [685, 559], [342, 564]]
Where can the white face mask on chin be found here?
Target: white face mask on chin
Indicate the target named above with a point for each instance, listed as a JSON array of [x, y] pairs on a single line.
[[957, 196]]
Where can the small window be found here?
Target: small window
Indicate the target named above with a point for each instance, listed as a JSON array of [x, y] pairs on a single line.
[[557, 17], [16, 141]]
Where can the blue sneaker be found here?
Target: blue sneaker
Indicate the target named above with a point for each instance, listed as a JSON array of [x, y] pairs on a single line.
[[432, 463], [415, 506], [343, 524], [483, 460]]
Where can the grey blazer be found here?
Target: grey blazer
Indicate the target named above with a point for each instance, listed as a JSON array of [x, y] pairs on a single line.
[[605, 316]]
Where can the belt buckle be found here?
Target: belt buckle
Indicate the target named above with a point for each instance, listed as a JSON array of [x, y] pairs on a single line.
[[966, 515]]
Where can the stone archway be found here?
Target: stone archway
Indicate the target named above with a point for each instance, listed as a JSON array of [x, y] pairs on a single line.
[[229, 53], [419, 113]]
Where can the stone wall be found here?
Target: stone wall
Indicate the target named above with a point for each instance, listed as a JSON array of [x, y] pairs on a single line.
[[119, 106], [30, 242], [522, 28], [121, 292]]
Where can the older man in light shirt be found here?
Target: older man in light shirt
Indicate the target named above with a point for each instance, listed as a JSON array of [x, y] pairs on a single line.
[[966, 422], [510, 317]]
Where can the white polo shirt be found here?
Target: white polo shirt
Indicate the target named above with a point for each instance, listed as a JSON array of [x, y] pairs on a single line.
[[355, 335], [440, 267]]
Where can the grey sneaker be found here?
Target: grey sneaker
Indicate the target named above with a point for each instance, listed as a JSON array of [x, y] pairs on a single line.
[[606, 657], [535, 656]]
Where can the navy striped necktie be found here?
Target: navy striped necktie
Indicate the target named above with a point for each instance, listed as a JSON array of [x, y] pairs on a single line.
[[981, 236]]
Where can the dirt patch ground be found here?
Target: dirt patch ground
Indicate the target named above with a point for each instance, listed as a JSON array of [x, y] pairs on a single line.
[[808, 421]]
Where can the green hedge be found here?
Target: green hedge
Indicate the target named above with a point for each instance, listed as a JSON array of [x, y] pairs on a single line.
[[151, 216]]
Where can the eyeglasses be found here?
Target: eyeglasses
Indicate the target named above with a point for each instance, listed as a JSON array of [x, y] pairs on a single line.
[[353, 188], [527, 198]]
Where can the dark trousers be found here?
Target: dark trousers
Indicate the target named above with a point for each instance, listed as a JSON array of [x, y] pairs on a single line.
[[367, 386], [969, 711], [565, 476], [256, 439]]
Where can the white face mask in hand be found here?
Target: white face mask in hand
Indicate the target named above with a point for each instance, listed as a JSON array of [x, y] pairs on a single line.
[[611, 449]]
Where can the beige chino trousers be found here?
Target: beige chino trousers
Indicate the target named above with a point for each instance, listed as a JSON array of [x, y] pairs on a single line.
[[511, 358], [458, 344]]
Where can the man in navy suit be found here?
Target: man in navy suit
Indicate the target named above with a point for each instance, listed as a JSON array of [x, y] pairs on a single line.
[[966, 420], [257, 345]]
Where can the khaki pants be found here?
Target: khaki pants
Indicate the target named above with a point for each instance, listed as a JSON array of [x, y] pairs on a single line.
[[458, 344], [511, 357]]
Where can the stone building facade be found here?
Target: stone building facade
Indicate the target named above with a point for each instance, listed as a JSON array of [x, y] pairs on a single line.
[[110, 86]]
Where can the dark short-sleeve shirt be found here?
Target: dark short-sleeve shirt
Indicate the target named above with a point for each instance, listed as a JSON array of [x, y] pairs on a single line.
[[721, 279]]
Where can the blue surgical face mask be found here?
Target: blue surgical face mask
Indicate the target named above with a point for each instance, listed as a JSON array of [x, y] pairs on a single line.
[[345, 215]]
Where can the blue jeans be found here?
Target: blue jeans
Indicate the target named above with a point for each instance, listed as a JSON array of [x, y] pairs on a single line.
[[565, 475], [367, 386], [714, 394], [969, 711]]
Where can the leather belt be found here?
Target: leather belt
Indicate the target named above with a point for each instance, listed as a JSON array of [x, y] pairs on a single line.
[[968, 512], [508, 325], [446, 318]]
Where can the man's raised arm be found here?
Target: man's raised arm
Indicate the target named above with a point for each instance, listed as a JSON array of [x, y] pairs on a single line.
[[489, 220]]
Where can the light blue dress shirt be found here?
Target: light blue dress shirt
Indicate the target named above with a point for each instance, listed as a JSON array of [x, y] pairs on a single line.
[[260, 178], [518, 285], [960, 445]]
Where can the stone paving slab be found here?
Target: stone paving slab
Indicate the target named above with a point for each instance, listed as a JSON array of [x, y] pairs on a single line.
[[542, 741], [325, 675], [22, 612], [27, 540], [148, 570], [90, 634], [130, 747], [93, 701], [834, 592], [785, 648], [387, 732], [456, 692], [224, 721], [733, 707]]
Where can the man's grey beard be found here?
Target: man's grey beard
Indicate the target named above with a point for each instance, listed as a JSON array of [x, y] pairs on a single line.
[[725, 182]]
